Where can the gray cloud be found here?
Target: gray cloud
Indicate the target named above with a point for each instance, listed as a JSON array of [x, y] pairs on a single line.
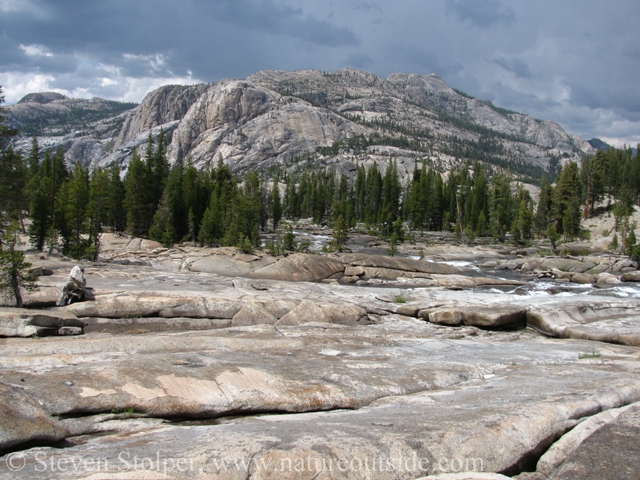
[[515, 66], [574, 62], [482, 13], [359, 60]]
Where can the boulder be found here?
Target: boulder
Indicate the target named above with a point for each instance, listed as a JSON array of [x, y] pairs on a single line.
[[408, 310], [583, 278], [354, 271], [498, 316], [300, 267], [565, 264], [220, 265], [607, 278], [44, 296], [21, 322], [631, 276], [155, 305], [24, 421], [309, 311], [447, 316], [530, 265], [349, 280], [624, 263], [396, 263], [252, 314], [36, 272]]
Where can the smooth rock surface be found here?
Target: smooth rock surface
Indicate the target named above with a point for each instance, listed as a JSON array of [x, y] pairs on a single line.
[[614, 322], [22, 322]]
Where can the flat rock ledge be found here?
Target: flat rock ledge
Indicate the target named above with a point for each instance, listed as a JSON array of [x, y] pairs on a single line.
[[22, 322], [611, 322]]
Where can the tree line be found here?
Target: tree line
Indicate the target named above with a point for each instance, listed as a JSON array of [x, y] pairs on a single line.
[[70, 208]]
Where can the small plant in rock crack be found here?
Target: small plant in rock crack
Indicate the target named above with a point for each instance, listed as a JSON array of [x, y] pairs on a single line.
[[128, 411], [593, 354], [400, 298]]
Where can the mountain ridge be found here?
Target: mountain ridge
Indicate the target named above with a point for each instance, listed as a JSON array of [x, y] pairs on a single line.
[[304, 119]]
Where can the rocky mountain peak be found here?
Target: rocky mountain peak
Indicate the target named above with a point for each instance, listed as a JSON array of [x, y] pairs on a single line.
[[42, 98], [305, 119]]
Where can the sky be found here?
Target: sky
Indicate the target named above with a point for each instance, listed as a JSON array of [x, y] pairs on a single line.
[[573, 61]]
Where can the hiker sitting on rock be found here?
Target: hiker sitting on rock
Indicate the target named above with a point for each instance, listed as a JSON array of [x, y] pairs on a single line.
[[75, 289]]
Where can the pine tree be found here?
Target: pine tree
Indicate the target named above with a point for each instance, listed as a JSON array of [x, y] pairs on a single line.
[[340, 234], [13, 175], [33, 160], [567, 201], [117, 215], [40, 208], [391, 190], [137, 201], [75, 212], [14, 271], [275, 206], [170, 219], [162, 229], [98, 208]]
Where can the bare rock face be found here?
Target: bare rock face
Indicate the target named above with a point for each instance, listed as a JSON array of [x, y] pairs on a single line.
[[247, 124], [309, 311], [611, 451], [42, 98], [300, 267], [253, 314], [276, 117], [613, 322], [163, 105], [23, 421], [395, 263], [291, 379]]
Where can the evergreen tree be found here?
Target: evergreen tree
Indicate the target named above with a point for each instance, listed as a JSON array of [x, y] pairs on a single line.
[[170, 219], [98, 208], [567, 201], [163, 229], [275, 206], [593, 173], [40, 208], [14, 271], [544, 210], [191, 200], [391, 190], [340, 235], [33, 160], [253, 208], [117, 215], [500, 204], [137, 201], [160, 168], [75, 212], [13, 175]]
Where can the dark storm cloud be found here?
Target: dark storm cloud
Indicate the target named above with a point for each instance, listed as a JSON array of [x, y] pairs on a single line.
[[368, 6], [269, 17], [421, 60], [359, 60], [515, 66], [481, 13], [190, 29], [577, 61]]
